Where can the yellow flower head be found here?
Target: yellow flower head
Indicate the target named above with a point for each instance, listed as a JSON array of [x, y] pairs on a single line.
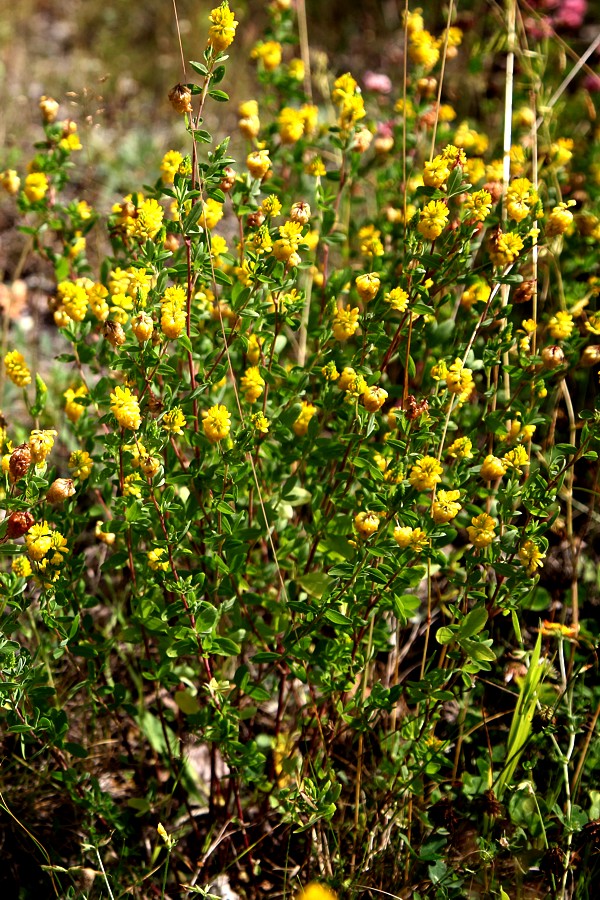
[[222, 31], [149, 219], [38, 540], [345, 322], [269, 53], [36, 186], [125, 408], [366, 524], [516, 459], [504, 248], [373, 398], [425, 474], [73, 298], [492, 468], [481, 531], [258, 163], [173, 421], [253, 384], [16, 368], [460, 448], [170, 165], [561, 326], [300, 426], [433, 220], [73, 409], [415, 538], [156, 561], [216, 423], [397, 298], [531, 557], [367, 285], [445, 507], [80, 464], [40, 445], [315, 891]]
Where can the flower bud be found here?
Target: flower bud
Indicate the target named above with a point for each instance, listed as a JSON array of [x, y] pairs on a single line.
[[300, 212], [60, 490], [180, 98], [106, 537], [18, 524], [142, 326], [171, 243], [553, 357], [48, 108], [228, 179], [591, 355], [20, 460]]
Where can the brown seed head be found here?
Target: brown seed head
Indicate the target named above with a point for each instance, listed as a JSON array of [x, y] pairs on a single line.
[[180, 98], [60, 490]]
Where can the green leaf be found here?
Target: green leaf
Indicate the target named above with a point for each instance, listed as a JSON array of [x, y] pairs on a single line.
[[219, 96], [473, 622], [337, 618], [315, 583]]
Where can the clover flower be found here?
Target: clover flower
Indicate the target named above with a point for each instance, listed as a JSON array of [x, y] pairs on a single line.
[[366, 523], [426, 473], [445, 507], [73, 409], [216, 423], [459, 381], [479, 205], [367, 285], [561, 325], [345, 322], [38, 540], [477, 292], [170, 166], [16, 368], [21, 567], [260, 423], [481, 530], [346, 378], [516, 459], [460, 448], [300, 426], [492, 468], [433, 219], [373, 398], [40, 445], [316, 891], [125, 408], [504, 248], [252, 383], [370, 241], [142, 326], [174, 421], [80, 464], [36, 186], [173, 314], [10, 181], [155, 560], [531, 557], [436, 172], [149, 219], [268, 53], [560, 219], [258, 163], [397, 299], [48, 108], [222, 31], [73, 299], [415, 538]]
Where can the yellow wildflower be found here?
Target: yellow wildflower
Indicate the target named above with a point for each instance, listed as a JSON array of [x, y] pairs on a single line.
[[531, 557], [222, 31], [16, 368], [504, 248], [40, 445], [433, 220], [460, 448], [481, 531], [373, 398], [561, 325], [173, 421], [253, 384], [492, 468], [345, 322], [125, 408], [173, 315], [73, 409], [415, 538], [170, 165], [149, 219], [425, 473], [36, 186], [269, 53], [258, 163], [300, 426], [21, 567], [73, 298], [367, 285], [38, 540], [516, 459], [80, 464], [366, 523], [155, 560], [445, 507], [216, 423]]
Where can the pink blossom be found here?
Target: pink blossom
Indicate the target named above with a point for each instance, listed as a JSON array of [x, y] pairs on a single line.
[[378, 82], [571, 13]]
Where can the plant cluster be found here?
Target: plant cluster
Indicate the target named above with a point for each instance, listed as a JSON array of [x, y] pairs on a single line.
[[280, 518]]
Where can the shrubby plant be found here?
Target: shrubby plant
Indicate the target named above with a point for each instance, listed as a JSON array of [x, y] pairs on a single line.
[[276, 522]]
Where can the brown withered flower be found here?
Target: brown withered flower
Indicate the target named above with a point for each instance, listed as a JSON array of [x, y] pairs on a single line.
[[18, 524], [20, 461], [114, 334], [414, 408], [180, 98], [60, 490]]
